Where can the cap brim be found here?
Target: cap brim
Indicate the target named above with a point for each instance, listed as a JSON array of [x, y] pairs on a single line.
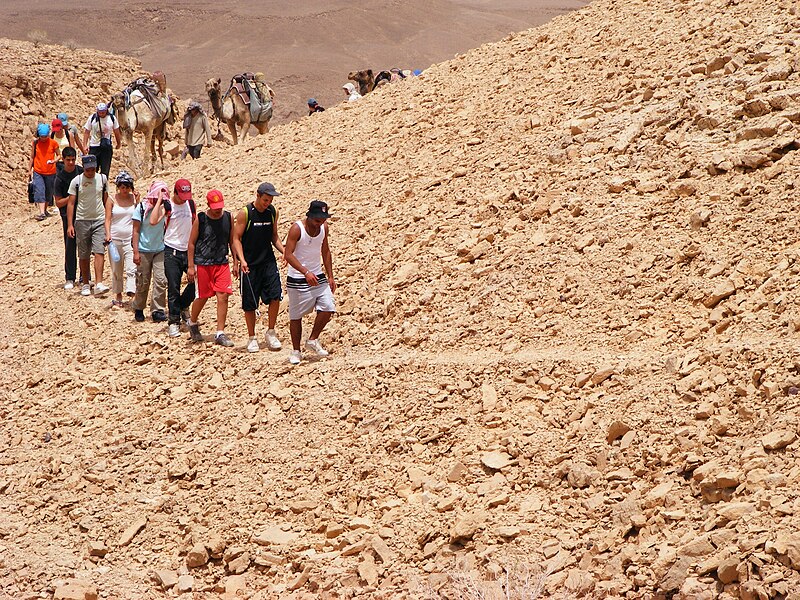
[[318, 215], [216, 205], [184, 195]]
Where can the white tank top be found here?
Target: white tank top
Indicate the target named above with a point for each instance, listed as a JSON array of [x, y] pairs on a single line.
[[122, 222], [308, 251]]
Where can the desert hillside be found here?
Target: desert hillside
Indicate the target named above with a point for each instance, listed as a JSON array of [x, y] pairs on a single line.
[[566, 344]]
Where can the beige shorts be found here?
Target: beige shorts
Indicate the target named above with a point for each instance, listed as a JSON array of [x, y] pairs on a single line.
[[89, 236]]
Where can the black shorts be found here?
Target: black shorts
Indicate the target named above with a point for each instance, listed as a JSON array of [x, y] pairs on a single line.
[[262, 283]]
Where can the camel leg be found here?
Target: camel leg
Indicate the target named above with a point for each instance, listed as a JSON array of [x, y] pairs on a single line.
[[131, 152], [232, 128], [148, 158]]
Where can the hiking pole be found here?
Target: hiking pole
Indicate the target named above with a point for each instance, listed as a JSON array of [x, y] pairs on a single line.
[[253, 294]]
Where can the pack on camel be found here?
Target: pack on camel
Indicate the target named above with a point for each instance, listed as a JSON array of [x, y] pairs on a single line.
[[247, 101], [144, 106], [368, 81]]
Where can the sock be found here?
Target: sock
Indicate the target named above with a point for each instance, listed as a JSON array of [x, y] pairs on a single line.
[[219, 333]]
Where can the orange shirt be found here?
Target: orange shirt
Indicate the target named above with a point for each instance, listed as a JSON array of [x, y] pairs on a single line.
[[45, 150]]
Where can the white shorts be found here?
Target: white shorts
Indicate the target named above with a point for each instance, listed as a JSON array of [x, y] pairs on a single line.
[[302, 301]]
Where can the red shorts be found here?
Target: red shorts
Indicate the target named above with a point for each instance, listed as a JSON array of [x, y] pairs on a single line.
[[213, 279]]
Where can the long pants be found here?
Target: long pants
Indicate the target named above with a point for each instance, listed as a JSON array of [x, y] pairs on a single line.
[[103, 158], [44, 186], [123, 266], [151, 266], [70, 249], [176, 263]]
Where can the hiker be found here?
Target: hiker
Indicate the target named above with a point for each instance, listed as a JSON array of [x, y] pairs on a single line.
[[307, 286], [211, 237], [148, 256], [86, 221], [254, 235], [97, 136], [72, 130], [314, 107], [197, 129], [64, 177], [44, 154], [60, 135], [351, 93], [180, 214], [119, 229]]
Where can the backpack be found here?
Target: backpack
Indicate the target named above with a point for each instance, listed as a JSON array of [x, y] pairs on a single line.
[[247, 217], [168, 211], [103, 178], [95, 119]]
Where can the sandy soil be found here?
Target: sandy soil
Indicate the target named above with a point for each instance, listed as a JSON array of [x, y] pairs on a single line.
[[305, 48]]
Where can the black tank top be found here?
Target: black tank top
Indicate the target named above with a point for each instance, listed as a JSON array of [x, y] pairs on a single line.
[[211, 247], [257, 236]]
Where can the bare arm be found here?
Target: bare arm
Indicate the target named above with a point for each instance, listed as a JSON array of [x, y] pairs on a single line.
[[137, 227], [33, 152], [327, 260], [158, 212], [86, 138], [190, 271], [237, 231], [117, 136], [109, 209], [70, 215]]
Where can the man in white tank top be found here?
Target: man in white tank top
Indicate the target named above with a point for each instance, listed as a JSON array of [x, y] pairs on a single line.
[[309, 284]]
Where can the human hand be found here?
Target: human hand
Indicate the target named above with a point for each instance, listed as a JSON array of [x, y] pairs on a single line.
[[311, 279], [71, 231], [190, 272], [137, 260], [332, 283], [244, 267]]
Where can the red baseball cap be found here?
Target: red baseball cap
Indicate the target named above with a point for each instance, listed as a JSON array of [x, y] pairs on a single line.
[[215, 199], [184, 189], [56, 125]]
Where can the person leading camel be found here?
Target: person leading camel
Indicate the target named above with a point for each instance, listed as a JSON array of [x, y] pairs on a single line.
[[197, 131]]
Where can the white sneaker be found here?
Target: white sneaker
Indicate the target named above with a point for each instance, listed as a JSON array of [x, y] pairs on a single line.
[[273, 343], [69, 285], [100, 288], [316, 347], [174, 330], [252, 345], [295, 357], [86, 290]]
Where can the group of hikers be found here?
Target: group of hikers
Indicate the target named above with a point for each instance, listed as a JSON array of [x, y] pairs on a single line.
[[155, 241]]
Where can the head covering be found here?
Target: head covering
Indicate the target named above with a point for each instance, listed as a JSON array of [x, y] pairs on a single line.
[[267, 188], [351, 89], [42, 129], [157, 189], [64, 119], [215, 199], [312, 101], [101, 106], [184, 189], [89, 161], [124, 178], [56, 125], [318, 210], [194, 104], [417, 72]]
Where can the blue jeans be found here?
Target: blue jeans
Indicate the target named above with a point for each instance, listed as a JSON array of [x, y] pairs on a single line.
[[43, 186], [176, 263]]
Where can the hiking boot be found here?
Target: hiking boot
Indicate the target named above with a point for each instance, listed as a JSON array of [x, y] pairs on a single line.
[[69, 285], [159, 316], [252, 345], [223, 340], [174, 330], [273, 343], [295, 357], [194, 333], [316, 347], [101, 288], [138, 315], [40, 217], [86, 290]]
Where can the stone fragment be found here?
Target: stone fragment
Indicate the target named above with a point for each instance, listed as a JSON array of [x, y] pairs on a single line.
[[368, 571], [788, 545], [724, 290], [616, 430], [488, 397], [128, 535], [197, 556], [275, 536], [579, 582], [683, 188], [456, 472], [239, 564], [185, 584], [466, 526], [676, 575], [778, 439], [98, 549], [602, 374], [382, 550], [235, 587], [215, 544], [496, 460], [727, 570], [166, 578], [733, 511], [300, 579], [75, 590]]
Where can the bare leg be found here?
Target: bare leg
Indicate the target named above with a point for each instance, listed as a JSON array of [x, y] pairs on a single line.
[[320, 321], [296, 331], [84, 268], [250, 319], [272, 313], [197, 306], [222, 310], [98, 267]]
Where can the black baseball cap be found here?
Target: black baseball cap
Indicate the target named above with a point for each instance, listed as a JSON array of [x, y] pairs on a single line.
[[267, 188], [318, 210]]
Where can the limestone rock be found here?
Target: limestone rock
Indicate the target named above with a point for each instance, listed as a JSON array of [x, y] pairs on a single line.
[[779, 439], [75, 590]]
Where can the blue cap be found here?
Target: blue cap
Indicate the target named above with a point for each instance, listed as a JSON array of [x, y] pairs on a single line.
[[64, 119], [42, 129], [417, 72], [312, 101]]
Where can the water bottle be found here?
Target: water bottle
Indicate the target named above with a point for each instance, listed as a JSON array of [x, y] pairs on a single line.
[[113, 253]]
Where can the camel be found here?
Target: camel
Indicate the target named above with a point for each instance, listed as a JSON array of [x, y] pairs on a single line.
[[232, 109], [365, 80], [135, 115]]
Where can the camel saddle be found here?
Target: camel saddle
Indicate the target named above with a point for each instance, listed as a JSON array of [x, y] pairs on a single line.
[[245, 86], [151, 92]]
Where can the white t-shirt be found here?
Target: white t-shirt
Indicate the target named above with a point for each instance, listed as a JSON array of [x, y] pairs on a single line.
[[180, 227], [89, 202], [109, 125]]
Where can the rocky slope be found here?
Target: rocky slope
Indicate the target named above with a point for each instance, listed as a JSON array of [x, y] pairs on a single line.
[[566, 343]]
